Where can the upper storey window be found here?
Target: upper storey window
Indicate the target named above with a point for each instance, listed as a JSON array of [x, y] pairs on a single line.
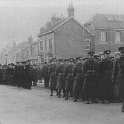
[[103, 36], [117, 37]]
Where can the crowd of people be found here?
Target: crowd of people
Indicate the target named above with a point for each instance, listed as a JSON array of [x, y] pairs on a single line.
[[97, 78], [89, 79], [20, 75]]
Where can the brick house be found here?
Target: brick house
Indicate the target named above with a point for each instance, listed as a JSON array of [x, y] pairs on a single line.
[[108, 30], [66, 39]]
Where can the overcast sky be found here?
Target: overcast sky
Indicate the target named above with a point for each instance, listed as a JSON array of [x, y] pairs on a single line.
[[21, 18]]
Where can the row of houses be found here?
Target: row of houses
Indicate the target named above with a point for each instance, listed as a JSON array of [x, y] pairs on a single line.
[[66, 37], [109, 31]]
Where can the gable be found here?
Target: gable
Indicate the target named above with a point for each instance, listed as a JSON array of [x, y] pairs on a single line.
[[70, 21], [69, 39]]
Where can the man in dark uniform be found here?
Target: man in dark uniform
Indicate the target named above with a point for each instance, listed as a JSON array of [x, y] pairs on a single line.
[[69, 78], [45, 74], [116, 97], [7, 73], [22, 75], [15, 78], [52, 73], [78, 79], [10, 72], [119, 75], [18, 76], [90, 82], [105, 84], [34, 74], [39, 73], [60, 69], [27, 76]]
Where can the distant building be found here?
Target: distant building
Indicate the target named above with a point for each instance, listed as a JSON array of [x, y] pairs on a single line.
[[24, 50], [19, 52], [8, 55], [108, 30], [34, 50]]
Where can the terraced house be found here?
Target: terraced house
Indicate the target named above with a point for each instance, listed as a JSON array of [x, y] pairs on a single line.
[[108, 30]]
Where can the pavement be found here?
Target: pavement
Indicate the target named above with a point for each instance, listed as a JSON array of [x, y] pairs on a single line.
[[35, 106]]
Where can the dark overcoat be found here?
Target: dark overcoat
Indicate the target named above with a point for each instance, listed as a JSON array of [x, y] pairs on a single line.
[[52, 72], [90, 79], [69, 76], [78, 80], [119, 74], [105, 82], [60, 69]]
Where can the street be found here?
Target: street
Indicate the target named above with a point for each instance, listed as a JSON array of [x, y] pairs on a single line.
[[20, 106]]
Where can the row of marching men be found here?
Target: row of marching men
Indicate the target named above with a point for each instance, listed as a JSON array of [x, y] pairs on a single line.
[[90, 79], [20, 75]]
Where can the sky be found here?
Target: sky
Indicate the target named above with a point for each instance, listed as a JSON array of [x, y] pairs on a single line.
[[20, 19]]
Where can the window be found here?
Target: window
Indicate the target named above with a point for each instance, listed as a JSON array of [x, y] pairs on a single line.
[[50, 44], [103, 36], [117, 37], [45, 44], [41, 45]]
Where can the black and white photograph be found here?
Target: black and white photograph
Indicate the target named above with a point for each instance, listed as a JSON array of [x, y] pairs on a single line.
[[61, 62]]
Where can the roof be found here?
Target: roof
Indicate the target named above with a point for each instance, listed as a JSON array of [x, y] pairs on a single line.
[[106, 21], [49, 30], [60, 24]]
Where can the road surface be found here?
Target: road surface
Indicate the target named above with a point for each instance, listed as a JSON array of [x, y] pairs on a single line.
[[20, 106]]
